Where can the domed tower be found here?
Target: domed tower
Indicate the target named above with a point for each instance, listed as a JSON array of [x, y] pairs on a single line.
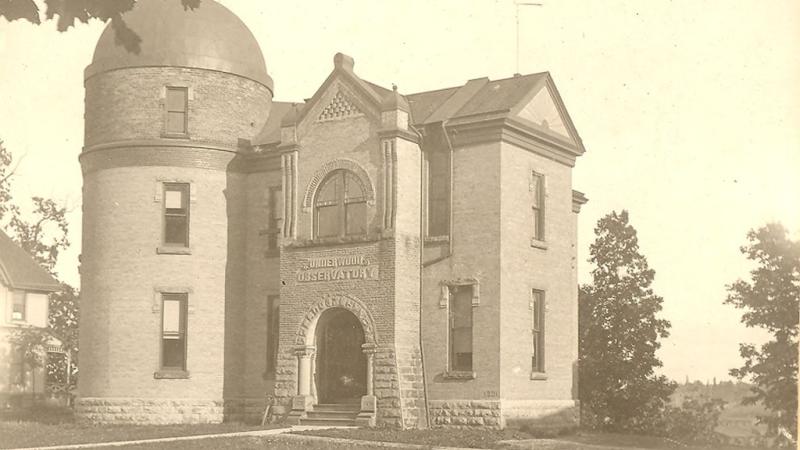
[[163, 211]]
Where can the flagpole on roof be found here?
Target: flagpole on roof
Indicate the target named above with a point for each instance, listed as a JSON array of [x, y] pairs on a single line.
[[517, 4]]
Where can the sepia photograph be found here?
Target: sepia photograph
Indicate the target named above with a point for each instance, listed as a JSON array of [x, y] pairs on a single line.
[[355, 224]]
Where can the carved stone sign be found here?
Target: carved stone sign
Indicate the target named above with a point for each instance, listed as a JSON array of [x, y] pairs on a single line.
[[335, 268]]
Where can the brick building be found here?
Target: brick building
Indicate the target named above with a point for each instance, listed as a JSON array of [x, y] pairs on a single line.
[[364, 256]]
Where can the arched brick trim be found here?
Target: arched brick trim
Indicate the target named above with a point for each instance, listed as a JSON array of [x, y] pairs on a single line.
[[305, 333], [330, 166]]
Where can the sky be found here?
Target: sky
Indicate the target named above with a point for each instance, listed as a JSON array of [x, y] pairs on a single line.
[[689, 112]]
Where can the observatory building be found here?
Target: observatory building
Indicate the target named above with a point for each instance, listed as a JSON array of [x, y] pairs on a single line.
[[363, 257]]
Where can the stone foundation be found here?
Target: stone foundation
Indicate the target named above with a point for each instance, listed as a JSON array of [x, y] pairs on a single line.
[[465, 413], [149, 411]]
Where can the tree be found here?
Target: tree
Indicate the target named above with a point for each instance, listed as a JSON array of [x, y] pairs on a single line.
[[66, 12], [619, 334], [771, 300]]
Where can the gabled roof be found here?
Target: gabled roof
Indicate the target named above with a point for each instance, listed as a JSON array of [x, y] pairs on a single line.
[[482, 99], [20, 271], [529, 102]]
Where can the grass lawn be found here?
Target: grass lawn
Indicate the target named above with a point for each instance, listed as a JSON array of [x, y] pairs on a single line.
[[39, 427], [500, 439]]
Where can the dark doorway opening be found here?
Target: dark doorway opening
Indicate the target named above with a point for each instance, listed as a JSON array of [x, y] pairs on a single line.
[[341, 366]]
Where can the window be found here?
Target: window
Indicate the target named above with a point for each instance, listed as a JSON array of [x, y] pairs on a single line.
[[173, 331], [537, 330], [460, 338], [273, 324], [18, 307], [537, 191], [275, 205], [438, 193], [341, 206], [176, 106], [176, 214]]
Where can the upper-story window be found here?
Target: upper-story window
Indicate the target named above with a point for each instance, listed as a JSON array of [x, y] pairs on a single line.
[[177, 105], [340, 206], [18, 307], [176, 214], [438, 186], [537, 187]]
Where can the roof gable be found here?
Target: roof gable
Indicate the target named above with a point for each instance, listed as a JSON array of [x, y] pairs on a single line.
[[342, 95], [543, 108], [20, 271]]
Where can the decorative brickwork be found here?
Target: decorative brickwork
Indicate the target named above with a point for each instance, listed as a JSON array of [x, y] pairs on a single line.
[[339, 108], [362, 177]]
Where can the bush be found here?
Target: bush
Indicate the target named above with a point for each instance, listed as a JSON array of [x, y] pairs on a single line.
[[695, 421]]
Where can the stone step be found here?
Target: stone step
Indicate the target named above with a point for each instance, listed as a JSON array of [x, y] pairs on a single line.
[[345, 407], [328, 422], [332, 414]]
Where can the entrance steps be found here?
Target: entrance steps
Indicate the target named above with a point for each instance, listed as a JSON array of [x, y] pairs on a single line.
[[332, 414]]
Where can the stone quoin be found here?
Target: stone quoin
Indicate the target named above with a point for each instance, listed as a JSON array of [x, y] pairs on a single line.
[[364, 257]]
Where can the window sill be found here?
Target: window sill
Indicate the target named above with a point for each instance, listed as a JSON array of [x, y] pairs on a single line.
[[536, 243], [175, 135], [437, 238], [173, 251], [460, 375], [325, 242], [538, 376], [167, 374]]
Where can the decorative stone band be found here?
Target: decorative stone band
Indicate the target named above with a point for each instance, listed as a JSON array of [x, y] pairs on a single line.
[[341, 163], [173, 153], [152, 411]]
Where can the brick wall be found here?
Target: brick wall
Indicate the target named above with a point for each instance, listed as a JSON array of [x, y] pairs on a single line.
[[526, 267], [476, 254]]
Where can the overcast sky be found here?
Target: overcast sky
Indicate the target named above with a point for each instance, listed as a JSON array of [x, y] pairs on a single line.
[[689, 112]]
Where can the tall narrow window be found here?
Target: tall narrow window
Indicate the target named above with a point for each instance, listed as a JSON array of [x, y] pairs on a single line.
[[176, 214], [275, 217], [537, 194], [460, 328], [176, 106], [18, 307], [273, 329], [438, 193], [341, 206], [537, 330], [173, 331]]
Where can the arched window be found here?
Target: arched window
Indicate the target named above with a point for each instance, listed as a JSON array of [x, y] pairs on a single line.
[[340, 206]]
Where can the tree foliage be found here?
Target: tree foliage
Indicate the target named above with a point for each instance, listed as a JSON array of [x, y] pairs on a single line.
[[771, 300], [66, 12], [619, 333]]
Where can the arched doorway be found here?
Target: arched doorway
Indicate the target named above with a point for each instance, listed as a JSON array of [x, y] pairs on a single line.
[[341, 366]]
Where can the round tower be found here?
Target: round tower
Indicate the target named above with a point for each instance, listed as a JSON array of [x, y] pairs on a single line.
[[163, 211]]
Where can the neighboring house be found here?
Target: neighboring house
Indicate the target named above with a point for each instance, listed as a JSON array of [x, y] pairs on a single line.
[[24, 289]]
